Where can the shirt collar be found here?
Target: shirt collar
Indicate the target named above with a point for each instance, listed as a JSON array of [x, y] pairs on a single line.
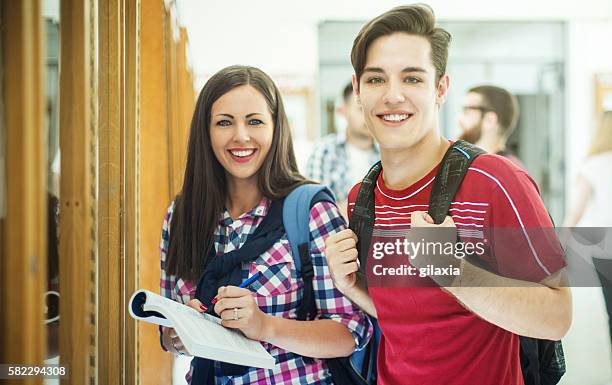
[[261, 210]]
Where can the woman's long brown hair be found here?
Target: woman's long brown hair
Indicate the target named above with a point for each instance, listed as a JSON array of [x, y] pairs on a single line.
[[203, 195]]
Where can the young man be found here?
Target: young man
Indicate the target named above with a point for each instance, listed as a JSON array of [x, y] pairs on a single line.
[[464, 333], [340, 161], [489, 116]]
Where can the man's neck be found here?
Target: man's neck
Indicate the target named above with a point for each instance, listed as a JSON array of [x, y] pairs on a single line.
[[404, 167], [491, 144], [361, 141]]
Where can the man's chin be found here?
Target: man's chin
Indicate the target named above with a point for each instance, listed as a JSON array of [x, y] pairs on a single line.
[[389, 144]]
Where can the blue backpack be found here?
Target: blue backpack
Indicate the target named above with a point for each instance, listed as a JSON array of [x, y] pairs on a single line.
[[359, 368]]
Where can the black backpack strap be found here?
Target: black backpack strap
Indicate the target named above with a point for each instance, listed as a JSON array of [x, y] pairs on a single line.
[[363, 215], [453, 168]]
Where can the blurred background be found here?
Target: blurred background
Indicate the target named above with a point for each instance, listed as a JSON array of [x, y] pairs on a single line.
[[97, 100]]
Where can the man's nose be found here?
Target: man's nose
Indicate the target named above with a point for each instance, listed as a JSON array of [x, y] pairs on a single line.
[[394, 93]]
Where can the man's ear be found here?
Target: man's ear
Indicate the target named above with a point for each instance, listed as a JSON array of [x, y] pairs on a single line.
[[356, 93], [490, 120], [442, 90]]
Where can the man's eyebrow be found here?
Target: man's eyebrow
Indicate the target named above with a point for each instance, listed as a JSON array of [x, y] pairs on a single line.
[[374, 69], [405, 69], [414, 69]]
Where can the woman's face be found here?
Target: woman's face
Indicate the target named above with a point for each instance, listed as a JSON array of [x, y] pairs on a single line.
[[241, 130]]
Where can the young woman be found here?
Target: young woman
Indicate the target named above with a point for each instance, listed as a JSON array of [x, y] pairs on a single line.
[[240, 164]]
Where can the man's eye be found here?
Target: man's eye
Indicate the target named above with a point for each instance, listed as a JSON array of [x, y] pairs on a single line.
[[375, 80], [255, 122], [224, 123], [412, 79]]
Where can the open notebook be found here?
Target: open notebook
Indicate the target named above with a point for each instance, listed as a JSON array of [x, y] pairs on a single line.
[[202, 334]]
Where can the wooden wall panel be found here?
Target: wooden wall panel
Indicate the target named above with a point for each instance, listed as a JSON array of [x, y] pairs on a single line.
[[172, 99], [132, 183], [155, 194], [110, 120], [186, 99], [77, 246], [24, 247]]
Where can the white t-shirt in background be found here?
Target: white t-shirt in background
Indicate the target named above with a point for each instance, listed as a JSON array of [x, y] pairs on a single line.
[[359, 162], [597, 170]]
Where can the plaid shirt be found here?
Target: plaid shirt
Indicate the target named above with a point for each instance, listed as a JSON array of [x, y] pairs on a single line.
[[328, 164], [278, 290]]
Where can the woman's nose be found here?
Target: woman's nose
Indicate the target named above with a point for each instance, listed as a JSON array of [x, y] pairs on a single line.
[[241, 133]]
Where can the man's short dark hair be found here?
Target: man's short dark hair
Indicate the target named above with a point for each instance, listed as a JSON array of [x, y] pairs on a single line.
[[502, 102], [414, 19]]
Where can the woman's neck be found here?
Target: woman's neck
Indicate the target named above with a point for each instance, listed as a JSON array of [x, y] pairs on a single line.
[[243, 195]]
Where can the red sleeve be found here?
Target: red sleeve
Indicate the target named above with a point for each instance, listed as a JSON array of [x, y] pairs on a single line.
[[525, 245], [352, 196]]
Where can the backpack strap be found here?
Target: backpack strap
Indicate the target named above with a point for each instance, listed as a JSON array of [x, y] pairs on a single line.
[[453, 168], [296, 220], [363, 215]]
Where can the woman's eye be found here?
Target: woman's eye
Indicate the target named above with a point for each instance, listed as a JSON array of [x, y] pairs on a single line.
[[224, 123], [375, 80], [255, 122]]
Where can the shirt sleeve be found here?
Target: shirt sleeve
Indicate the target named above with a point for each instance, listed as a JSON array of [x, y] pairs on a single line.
[[525, 245], [351, 198], [166, 282], [314, 165], [325, 219], [591, 171]]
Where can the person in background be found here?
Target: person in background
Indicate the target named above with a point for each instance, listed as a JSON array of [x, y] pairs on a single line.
[[341, 160], [489, 116], [592, 207], [240, 166]]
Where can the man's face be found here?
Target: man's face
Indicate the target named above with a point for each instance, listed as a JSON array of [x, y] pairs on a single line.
[[398, 91], [470, 121]]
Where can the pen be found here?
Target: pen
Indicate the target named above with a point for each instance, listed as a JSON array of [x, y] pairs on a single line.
[[249, 281], [243, 285]]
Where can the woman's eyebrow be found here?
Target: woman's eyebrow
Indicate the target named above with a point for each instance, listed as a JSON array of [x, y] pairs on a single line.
[[253, 113], [228, 115]]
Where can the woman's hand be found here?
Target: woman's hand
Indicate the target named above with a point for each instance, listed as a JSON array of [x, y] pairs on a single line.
[[238, 310], [173, 342]]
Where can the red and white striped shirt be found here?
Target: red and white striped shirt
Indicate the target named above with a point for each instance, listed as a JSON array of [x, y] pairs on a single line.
[[428, 337]]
